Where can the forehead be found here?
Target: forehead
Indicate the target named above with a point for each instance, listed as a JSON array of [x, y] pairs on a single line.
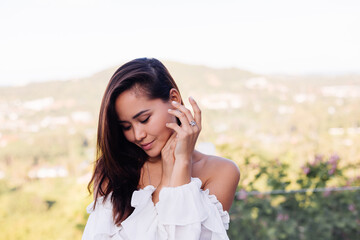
[[131, 102]]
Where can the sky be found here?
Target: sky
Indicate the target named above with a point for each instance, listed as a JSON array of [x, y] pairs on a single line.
[[61, 39]]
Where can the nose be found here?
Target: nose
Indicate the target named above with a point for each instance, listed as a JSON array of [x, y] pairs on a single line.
[[139, 133]]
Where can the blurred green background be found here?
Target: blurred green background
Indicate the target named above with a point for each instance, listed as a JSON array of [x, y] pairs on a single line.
[[283, 132]]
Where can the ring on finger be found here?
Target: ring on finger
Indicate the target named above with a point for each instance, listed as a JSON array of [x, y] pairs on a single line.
[[192, 123]]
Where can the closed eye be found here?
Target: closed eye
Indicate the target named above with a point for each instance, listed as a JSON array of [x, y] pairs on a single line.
[[125, 128], [144, 121], [128, 128]]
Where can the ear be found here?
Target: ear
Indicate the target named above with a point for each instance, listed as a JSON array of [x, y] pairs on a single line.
[[175, 96]]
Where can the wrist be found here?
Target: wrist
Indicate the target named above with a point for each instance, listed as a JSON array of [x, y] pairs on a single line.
[[165, 182], [183, 160], [181, 174]]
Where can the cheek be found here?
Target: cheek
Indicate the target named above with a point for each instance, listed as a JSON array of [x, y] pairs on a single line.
[[158, 125], [129, 136], [158, 128]]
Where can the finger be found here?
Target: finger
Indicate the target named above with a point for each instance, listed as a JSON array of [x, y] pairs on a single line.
[[175, 127], [170, 140], [184, 110], [197, 111], [168, 149], [183, 119], [173, 143]]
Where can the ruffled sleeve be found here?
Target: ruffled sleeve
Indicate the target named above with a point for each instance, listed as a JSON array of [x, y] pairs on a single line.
[[182, 213], [141, 224], [188, 212], [100, 224]]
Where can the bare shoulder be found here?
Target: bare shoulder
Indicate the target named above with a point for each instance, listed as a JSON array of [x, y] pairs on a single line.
[[222, 171], [222, 166], [221, 176]]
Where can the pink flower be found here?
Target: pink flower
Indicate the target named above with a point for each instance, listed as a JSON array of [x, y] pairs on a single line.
[[260, 196], [263, 223], [331, 171], [318, 158], [282, 217], [327, 193], [306, 170], [242, 195], [352, 208], [352, 181], [333, 159]]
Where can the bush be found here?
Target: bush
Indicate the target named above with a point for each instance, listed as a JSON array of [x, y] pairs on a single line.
[[311, 214]]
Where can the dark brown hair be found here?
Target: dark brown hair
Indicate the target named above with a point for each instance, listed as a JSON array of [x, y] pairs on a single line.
[[118, 162]]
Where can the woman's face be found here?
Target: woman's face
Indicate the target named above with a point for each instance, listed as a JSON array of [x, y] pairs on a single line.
[[143, 120]]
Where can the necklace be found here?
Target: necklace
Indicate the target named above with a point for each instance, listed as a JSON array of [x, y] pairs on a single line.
[[148, 172]]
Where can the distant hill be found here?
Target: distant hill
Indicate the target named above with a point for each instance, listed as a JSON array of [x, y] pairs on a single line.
[[195, 79], [261, 111], [188, 77]]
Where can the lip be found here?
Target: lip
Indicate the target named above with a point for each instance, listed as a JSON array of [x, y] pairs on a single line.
[[147, 146]]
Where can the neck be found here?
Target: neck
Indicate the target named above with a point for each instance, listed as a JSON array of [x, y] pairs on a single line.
[[154, 159]]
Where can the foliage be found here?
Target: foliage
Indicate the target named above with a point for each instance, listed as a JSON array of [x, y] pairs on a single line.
[[43, 209], [298, 215]]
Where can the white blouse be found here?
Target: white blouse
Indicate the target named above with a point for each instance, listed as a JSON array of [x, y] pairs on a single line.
[[184, 212]]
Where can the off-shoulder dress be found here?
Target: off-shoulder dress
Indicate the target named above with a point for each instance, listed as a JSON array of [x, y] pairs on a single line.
[[183, 213]]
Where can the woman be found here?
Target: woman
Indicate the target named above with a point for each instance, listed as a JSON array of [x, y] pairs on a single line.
[[149, 182]]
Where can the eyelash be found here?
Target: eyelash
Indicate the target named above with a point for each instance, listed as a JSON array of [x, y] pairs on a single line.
[[145, 120], [125, 128], [128, 128]]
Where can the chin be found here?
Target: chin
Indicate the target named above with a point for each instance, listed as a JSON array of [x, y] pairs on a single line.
[[153, 154]]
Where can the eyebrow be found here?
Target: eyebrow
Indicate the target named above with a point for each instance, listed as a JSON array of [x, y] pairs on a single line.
[[138, 114]]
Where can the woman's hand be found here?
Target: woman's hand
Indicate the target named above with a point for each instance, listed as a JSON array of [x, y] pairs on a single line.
[[168, 159], [177, 152], [186, 136]]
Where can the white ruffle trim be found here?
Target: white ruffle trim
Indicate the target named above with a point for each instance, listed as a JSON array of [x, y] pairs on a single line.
[[143, 221], [100, 224], [177, 207], [223, 214], [184, 205]]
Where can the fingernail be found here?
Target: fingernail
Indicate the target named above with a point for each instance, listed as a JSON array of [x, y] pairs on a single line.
[[192, 98], [169, 110]]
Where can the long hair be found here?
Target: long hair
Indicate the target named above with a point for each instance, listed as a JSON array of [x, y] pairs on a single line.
[[118, 162]]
